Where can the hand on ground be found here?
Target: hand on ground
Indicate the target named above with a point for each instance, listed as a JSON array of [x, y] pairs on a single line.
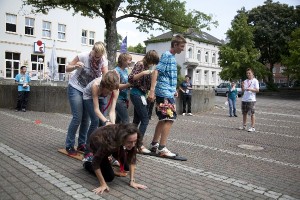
[[101, 189], [137, 186]]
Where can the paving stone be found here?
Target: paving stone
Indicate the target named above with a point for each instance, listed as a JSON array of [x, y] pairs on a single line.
[[34, 197]]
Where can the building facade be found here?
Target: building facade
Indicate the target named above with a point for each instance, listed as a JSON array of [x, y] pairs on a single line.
[[27, 39], [199, 60]]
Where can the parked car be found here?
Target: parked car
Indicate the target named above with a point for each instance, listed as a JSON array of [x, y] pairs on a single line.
[[223, 89], [262, 86]]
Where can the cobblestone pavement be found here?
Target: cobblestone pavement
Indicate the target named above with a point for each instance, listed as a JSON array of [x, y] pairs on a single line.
[[31, 167]]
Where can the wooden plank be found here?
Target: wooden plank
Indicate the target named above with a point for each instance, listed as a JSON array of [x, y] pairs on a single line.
[[78, 156]]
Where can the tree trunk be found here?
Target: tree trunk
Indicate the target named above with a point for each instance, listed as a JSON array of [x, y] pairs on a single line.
[[109, 9], [111, 39], [271, 76]]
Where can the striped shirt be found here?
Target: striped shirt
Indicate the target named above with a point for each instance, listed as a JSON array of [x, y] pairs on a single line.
[[167, 76]]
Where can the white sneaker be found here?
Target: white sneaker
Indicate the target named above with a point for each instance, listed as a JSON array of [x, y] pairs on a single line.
[[252, 129], [144, 150], [165, 153], [153, 148], [190, 114], [183, 114]]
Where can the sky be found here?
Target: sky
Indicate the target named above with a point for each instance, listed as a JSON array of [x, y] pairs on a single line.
[[222, 11]]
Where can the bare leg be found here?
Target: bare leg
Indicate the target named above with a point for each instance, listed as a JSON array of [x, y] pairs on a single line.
[[158, 131], [165, 132], [252, 120], [245, 119]]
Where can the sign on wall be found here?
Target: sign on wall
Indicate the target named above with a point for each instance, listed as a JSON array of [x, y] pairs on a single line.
[[39, 47]]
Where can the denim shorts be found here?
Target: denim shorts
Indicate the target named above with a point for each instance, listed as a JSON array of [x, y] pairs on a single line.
[[165, 108]]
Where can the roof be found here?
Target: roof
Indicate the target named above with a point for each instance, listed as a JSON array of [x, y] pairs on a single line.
[[197, 36]]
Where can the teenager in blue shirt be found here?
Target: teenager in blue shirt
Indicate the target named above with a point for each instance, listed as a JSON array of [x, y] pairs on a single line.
[[124, 60], [23, 80], [231, 97], [163, 84]]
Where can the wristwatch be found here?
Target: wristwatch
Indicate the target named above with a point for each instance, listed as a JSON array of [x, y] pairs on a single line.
[[106, 121]]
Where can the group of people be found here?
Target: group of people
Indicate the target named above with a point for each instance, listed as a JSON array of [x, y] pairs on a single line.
[[99, 97]]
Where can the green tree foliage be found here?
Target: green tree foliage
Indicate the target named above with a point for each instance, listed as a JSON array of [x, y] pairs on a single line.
[[239, 53], [273, 23], [166, 15], [292, 62], [139, 48], [180, 78]]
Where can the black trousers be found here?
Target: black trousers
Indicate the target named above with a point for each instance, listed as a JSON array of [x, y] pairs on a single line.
[[22, 99], [187, 100], [105, 167], [150, 106]]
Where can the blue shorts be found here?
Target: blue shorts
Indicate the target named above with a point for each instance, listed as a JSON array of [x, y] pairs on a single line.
[[165, 108]]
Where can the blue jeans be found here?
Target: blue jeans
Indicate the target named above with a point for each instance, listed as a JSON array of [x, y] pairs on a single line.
[[122, 112], [232, 108], [140, 114], [95, 121], [102, 104], [80, 117]]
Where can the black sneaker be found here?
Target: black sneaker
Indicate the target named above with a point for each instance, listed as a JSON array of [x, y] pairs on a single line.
[[235, 115], [71, 151], [154, 147], [81, 148]]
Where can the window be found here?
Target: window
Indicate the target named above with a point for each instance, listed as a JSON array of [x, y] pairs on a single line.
[[29, 26], [11, 23], [61, 65], [213, 76], [92, 38], [84, 37], [206, 77], [190, 52], [206, 56], [46, 29], [61, 31], [274, 70], [35, 64], [197, 79], [282, 69], [213, 59], [12, 64], [199, 55]]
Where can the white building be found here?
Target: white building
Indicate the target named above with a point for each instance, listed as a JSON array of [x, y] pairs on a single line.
[[23, 32], [199, 59]]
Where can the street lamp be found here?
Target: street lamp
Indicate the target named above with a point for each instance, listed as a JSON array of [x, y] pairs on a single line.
[[40, 63]]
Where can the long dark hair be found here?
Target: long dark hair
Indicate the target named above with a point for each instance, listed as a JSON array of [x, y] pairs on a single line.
[[112, 138]]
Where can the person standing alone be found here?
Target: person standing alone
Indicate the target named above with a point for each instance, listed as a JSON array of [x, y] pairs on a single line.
[[186, 88], [250, 87], [23, 80], [231, 97]]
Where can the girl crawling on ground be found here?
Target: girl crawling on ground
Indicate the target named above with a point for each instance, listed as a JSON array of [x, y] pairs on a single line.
[[119, 140]]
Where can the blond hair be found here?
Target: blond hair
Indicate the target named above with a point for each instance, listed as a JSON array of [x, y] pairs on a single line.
[[123, 57], [110, 80], [177, 39], [99, 47]]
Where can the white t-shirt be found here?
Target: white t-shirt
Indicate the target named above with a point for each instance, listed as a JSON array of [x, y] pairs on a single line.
[[248, 95], [87, 91], [85, 75]]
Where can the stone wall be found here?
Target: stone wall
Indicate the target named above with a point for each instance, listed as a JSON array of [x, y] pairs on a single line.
[[47, 98]]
